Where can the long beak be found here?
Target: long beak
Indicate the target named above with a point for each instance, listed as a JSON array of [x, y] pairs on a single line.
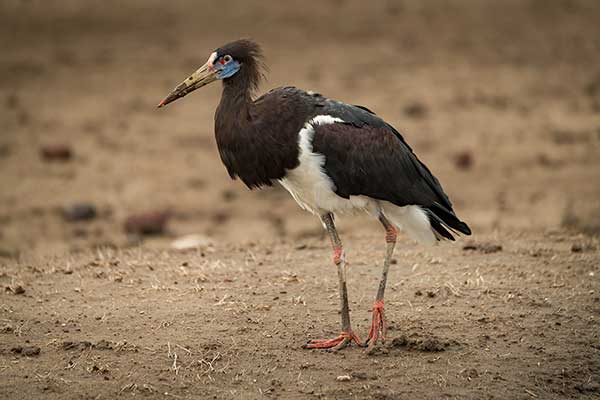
[[202, 77]]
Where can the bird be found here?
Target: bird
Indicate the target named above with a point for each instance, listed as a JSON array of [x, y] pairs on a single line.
[[332, 157]]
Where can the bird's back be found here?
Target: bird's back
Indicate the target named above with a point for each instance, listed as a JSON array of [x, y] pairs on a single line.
[[363, 154]]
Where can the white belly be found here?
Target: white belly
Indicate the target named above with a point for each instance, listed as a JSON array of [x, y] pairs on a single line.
[[310, 186], [318, 196], [314, 191]]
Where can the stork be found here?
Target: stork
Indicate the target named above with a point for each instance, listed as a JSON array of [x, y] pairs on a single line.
[[332, 157]]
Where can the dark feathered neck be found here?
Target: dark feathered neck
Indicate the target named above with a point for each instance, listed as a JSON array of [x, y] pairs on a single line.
[[237, 91], [233, 108]]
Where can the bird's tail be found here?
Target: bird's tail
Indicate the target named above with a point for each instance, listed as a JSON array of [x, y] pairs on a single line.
[[444, 221]]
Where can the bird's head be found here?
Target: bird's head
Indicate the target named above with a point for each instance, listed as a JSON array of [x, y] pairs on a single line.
[[238, 62]]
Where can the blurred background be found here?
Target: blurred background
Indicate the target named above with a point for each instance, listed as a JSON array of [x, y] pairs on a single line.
[[501, 99]]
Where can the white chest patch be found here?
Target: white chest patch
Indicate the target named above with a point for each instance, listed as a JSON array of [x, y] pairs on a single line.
[[308, 183]]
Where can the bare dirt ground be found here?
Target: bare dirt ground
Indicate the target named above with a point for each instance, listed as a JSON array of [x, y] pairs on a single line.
[[500, 99]]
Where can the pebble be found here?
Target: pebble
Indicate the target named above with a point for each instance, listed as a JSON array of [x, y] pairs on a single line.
[[56, 152], [463, 160], [79, 212], [27, 351], [16, 289], [189, 242], [148, 223], [416, 110]]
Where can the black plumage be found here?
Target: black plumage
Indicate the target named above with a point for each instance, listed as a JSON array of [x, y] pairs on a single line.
[[364, 155], [330, 156]]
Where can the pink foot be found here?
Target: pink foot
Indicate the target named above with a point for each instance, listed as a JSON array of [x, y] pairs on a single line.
[[335, 344], [378, 325]]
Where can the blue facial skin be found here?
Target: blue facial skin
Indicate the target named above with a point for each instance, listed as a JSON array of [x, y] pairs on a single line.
[[227, 70]]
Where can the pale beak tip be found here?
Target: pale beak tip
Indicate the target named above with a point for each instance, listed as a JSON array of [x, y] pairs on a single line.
[[161, 104]]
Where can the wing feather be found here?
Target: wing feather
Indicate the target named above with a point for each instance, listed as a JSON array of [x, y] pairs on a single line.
[[366, 156]]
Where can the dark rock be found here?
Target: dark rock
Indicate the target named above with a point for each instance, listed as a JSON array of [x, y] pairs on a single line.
[[27, 351], [148, 223], [359, 375], [4, 150], [220, 217], [31, 351], [229, 195], [592, 88], [56, 152], [546, 161], [76, 345], [104, 345], [485, 248], [79, 212], [15, 289], [470, 373], [463, 160], [12, 101], [416, 110]]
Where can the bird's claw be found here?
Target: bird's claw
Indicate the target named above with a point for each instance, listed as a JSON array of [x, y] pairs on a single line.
[[338, 343], [378, 326]]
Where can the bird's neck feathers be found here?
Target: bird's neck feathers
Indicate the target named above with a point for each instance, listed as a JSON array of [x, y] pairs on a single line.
[[233, 113], [236, 98]]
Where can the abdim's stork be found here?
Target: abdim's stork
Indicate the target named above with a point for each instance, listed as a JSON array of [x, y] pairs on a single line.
[[332, 157]]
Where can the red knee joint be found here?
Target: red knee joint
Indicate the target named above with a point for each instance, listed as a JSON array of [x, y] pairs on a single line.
[[338, 255], [390, 234], [378, 305]]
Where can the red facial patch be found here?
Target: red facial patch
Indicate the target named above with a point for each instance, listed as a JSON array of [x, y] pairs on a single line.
[[222, 62]]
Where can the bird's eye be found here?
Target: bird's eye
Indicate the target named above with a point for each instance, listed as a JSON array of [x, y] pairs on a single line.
[[227, 58]]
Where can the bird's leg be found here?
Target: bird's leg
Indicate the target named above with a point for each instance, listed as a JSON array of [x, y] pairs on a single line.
[[347, 335], [378, 325]]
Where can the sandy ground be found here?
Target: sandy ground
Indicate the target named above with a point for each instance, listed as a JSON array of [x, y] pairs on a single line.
[[87, 311]]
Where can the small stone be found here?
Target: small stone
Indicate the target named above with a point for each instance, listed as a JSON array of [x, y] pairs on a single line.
[[463, 160], [76, 345], [4, 150], [56, 152], [103, 345], [27, 351], [148, 223], [470, 373], [31, 351], [228, 195], [79, 212], [190, 242], [359, 375], [415, 110], [485, 248], [16, 289], [343, 378], [576, 248]]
